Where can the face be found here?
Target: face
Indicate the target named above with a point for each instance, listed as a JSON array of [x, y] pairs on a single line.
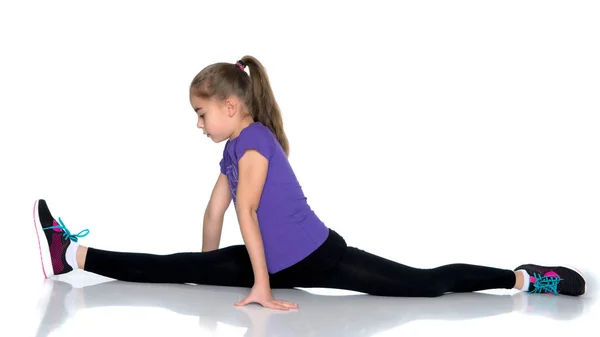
[[213, 118]]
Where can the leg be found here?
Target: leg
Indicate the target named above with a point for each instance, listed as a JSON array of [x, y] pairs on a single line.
[[60, 253], [335, 265], [364, 272], [229, 266]]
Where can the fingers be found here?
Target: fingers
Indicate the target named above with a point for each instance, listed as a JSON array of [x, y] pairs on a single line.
[[242, 302], [275, 305], [287, 304]]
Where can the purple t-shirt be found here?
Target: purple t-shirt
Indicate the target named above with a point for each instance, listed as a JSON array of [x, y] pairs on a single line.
[[290, 229]]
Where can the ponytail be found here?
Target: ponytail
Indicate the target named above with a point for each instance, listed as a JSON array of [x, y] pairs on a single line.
[[264, 107], [222, 80]]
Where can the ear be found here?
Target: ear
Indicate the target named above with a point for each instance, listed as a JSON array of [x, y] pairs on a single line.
[[232, 105]]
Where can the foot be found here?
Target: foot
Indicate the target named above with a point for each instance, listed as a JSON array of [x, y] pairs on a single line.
[[556, 280], [54, 240]]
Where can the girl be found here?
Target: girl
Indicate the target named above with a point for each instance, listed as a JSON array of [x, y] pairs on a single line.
[[286, 245]]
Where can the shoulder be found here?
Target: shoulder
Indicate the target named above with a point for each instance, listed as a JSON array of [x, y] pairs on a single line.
[[257, 137], [256, 129]]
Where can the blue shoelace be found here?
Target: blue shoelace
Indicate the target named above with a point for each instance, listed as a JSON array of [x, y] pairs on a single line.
[[67, 234], [545, 284]]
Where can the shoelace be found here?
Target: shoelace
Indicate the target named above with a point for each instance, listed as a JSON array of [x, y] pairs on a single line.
[[67, 234], [545, 284]]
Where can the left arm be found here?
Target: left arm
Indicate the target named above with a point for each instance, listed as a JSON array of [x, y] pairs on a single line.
[[251, 180], [252, 175]]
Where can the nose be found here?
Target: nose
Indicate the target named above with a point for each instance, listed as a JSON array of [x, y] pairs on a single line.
[[201, 127]]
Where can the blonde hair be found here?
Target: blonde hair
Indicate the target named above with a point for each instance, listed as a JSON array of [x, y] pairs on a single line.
[[221, 80]]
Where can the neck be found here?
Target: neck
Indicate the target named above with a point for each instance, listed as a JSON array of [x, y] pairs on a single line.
[[245, 122]]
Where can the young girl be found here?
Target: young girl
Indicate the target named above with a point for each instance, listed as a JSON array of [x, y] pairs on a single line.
[[286, 244]]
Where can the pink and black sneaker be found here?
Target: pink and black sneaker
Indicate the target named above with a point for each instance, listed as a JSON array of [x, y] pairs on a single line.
[[556, 280], [54, 240]]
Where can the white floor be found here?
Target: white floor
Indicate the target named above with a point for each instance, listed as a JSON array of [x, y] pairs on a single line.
[[84, 304]]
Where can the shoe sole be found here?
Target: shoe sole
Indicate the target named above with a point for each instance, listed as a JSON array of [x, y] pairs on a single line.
[[42, 244]]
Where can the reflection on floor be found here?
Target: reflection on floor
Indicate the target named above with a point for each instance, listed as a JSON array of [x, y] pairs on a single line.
[[115, 307]]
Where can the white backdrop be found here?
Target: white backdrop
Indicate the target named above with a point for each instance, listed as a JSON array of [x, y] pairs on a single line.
[[428, 133]]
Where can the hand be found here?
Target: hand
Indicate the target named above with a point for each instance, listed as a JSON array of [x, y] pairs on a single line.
[[262, 295]]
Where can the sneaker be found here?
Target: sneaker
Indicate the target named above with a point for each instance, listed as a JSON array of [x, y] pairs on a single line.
[[53, 240], [556, 280]]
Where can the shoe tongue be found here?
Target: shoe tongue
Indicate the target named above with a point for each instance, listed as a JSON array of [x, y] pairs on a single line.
[[551, 274], [54, 224]]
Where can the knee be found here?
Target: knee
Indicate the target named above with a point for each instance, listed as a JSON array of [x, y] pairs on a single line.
[[421, 289], [432, 292], [398, 292], [429, 285], [434, 287]]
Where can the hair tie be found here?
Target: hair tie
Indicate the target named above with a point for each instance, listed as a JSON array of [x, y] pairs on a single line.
[[241, 64]]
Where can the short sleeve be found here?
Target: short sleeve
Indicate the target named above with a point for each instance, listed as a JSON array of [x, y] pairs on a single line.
[[256, 138]]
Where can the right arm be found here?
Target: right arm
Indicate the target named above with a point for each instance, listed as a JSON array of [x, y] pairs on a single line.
[[214, 214]]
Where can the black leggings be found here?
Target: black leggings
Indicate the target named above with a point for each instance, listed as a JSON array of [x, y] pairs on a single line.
[[333, 265]]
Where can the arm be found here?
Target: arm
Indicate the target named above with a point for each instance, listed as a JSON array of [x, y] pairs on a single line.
[[252, 175], [214, 214], [251, 180]]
